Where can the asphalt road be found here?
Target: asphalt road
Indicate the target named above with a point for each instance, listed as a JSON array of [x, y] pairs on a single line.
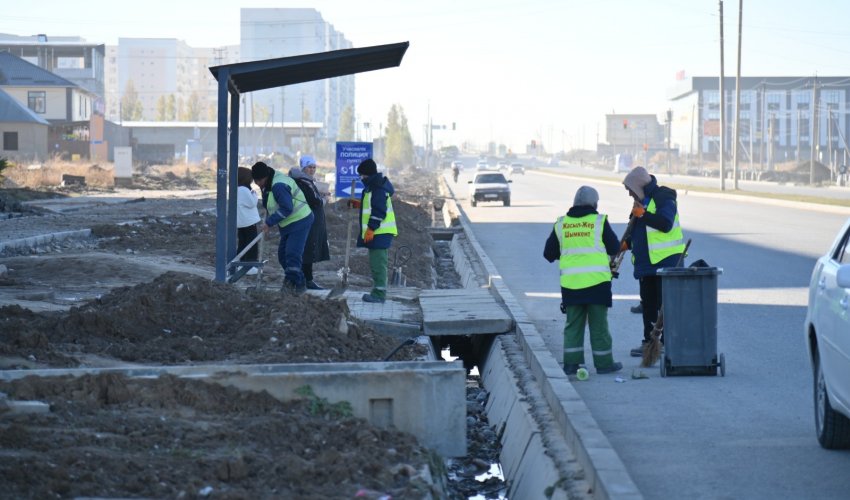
[[749, 434]]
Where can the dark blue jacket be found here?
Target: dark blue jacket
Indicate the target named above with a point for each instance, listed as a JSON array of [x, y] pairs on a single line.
[[597, 294], [662, 220], [380, 187]]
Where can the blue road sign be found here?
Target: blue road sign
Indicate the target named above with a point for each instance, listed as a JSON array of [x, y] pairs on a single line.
[[348, 156]]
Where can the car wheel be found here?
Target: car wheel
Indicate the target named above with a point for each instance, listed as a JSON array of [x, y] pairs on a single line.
[[507, 202], [833, 428]]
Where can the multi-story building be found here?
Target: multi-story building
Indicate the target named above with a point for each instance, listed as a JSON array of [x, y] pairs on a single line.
[[777, 118], [67, 107], [162, 66], [70, 57], [273, 33]]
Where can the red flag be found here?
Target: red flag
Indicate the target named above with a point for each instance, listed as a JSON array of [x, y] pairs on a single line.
[[680, 75]]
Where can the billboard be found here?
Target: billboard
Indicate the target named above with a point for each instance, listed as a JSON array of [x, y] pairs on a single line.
[[348, 156]]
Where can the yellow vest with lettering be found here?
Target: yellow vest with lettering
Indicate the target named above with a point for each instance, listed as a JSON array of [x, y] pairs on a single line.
[[584, 261]]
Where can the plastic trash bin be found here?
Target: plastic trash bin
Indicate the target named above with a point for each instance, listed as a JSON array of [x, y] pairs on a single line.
[[689, 302]]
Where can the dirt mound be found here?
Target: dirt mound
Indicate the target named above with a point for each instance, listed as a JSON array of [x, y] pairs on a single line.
[[110, 436], [182, 318]]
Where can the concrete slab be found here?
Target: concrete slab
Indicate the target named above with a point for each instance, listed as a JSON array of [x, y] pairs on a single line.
[[426, 399], [467, 311]]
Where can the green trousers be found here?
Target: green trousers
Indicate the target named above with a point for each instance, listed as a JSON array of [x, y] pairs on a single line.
[[378, 261], [600, 337]]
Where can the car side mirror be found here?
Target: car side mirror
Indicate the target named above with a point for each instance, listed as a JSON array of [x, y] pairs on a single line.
[[842, 277], [469, 182], [510, 180]]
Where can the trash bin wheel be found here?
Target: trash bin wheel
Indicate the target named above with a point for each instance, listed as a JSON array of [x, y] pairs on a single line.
[[722, 364]]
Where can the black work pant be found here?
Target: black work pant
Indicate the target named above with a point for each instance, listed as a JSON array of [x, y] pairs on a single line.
[[246, 235], [650, 297]]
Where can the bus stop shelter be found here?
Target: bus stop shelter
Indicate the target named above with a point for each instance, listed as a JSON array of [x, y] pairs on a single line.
[[236, 79]]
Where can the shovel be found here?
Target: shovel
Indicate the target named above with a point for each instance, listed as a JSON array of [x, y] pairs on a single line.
[[340, 287]]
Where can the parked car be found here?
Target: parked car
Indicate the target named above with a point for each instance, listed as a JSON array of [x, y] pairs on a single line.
[[516, 169], [827, 330], [489, 186]]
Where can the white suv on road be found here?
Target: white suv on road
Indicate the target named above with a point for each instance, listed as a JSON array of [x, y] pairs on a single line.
[[827, 330]]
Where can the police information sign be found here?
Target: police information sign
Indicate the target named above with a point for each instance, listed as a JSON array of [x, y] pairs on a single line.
[[348, 156]]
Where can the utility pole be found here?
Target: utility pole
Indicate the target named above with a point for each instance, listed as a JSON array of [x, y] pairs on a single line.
[[815, 139], [283, 114], [669, 131], [799, 133], [770, 148], [762, 127], [691, 149], [829, 138], [736, 147], [722, 109], [301, 145]]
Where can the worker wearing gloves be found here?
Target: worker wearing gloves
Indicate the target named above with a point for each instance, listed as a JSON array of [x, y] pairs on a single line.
[[287, 208], [656, 241], [377, 225], [583, 243]]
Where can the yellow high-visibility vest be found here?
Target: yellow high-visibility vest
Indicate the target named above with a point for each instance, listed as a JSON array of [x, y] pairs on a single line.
[[661, 244], [300, 208], [584, 261], [387, 226]]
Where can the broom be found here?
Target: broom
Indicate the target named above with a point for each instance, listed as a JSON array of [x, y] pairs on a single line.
[[652, 349], [618, 259]]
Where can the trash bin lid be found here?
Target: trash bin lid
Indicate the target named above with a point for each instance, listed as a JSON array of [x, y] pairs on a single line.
[[690, 271]]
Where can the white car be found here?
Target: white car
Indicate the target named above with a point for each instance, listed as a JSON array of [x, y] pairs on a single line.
[[489, 186], [516, 169], [482, 165], [827, 330]]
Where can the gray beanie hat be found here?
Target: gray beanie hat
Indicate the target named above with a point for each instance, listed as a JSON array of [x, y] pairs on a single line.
[[636, 180], [586, 195]]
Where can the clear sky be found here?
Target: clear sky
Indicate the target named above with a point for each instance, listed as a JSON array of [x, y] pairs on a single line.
[[505, 70]]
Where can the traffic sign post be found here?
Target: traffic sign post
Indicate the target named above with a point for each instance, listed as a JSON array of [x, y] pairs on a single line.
[[348, 157]]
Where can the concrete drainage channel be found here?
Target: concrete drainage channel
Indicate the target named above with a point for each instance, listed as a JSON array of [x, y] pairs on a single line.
[[551, 445]]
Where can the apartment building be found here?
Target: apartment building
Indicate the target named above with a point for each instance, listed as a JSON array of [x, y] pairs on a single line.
[[274, 33]]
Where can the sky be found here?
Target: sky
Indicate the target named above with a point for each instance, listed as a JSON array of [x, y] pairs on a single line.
[[507, 71]]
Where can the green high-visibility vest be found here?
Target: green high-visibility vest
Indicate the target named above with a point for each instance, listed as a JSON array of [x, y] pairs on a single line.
[[300, 208], [387, 224], [584, 261], [661, 244]]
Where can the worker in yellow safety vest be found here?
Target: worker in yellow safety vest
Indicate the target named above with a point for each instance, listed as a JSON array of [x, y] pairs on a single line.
[[656, 241], [286, 208], [377, 225], [583, 243]]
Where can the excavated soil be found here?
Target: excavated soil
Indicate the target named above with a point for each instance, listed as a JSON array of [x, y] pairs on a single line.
[[142, 293]]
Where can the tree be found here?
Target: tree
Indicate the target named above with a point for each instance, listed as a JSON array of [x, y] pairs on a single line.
[[131, 106], [161, 109], [346, 125], [399, 145], [192, 110], [171, 108]]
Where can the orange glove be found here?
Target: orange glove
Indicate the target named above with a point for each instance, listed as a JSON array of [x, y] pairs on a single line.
[[624, 247], [369, 236], [638, 211], [353, 203]]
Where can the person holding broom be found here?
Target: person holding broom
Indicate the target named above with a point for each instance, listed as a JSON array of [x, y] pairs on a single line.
[[583, 243], [656, 241]]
